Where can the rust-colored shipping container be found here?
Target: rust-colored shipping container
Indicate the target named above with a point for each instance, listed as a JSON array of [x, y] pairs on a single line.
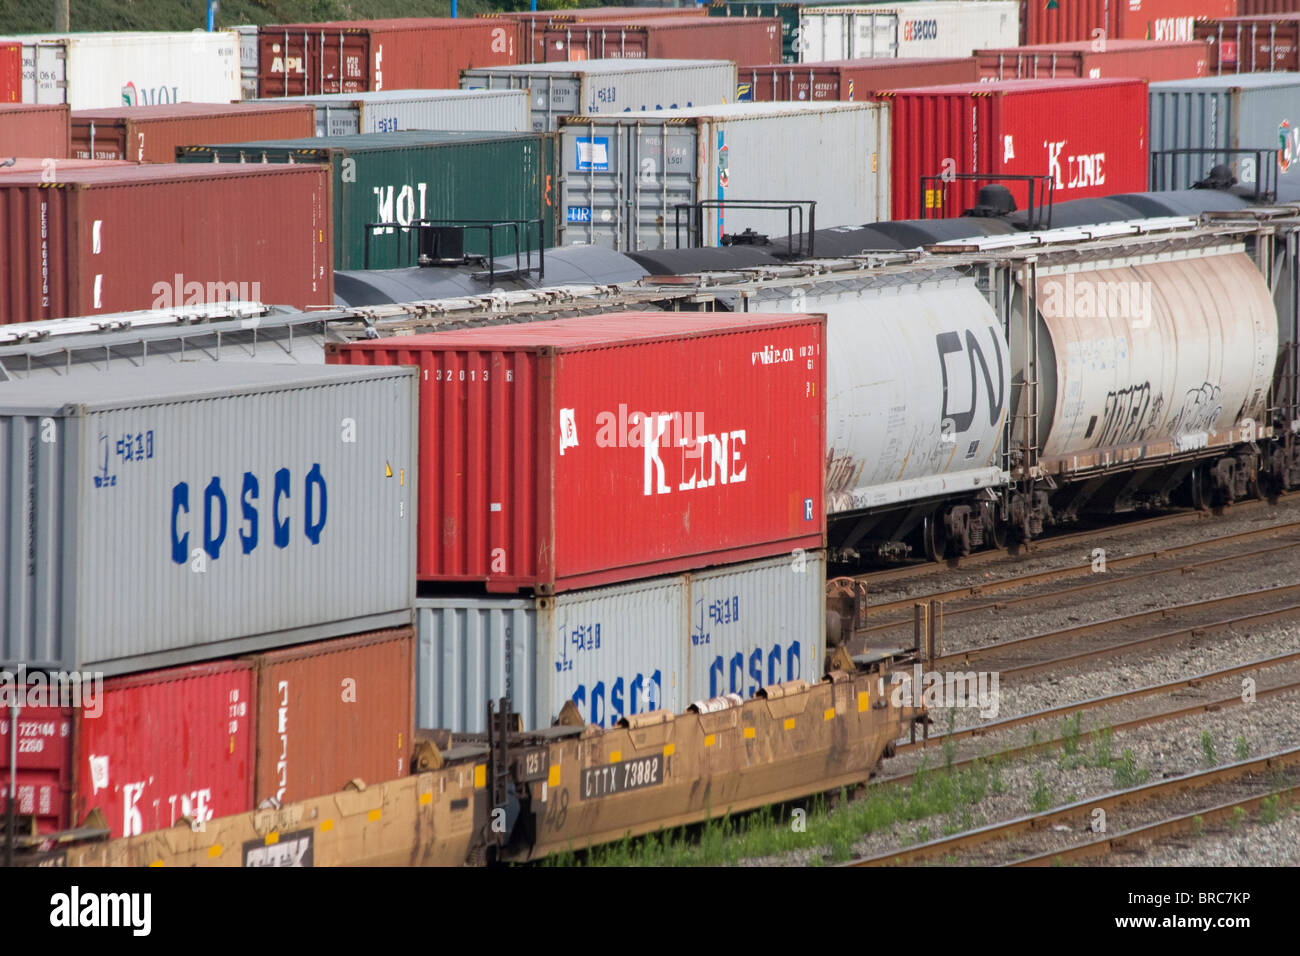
[[1088, 136], [533, 23], [579, 452], [151, 134], [1259, 8], [738, 39], [1262, 44], [44, 778], [57, 167], [847, 79], [11, 72], [334, 711], [28, 129], [139, 237], [1072, 20], [1152, 60], [366, 55]]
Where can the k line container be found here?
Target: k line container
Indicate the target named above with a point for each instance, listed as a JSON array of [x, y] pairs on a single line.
[[33, 130], [415, 53], [741, 40], [91, 71], [847, 79], [952, 28], [533, 24], [392, 111], [151, 134], [609, 86], [1253, 44], [401, 177], [1151, 60], [176, 514], [646, 645], [1088, 136], [122, 238], [1075, 20], [623, 175], [11, 72], [581, 452]]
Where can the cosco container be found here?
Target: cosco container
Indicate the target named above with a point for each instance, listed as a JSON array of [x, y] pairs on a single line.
[[609, 86], [29, 129], [382, 182], [357, 56], [847, 79], [151, 134], [951, 28], [740, 40], [661, 643], [1088, 136], [1262, 44], [1151, 60], [11, 73], [581, 452], [392, 111], [1073, 20], [90, 71], [533, 23], [174, 514], [139, 237], [624, 175]]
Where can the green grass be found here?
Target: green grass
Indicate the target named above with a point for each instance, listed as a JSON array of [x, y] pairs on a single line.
[[1242, 748], [1207, 748], [1042, 796], [1128, 774]]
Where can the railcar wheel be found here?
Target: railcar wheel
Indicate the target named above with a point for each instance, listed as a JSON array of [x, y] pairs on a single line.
[[1200, 494], [936, 541]]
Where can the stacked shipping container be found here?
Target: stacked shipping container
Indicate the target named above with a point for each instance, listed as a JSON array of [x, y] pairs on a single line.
[[1074, 20], [11, 73], [848, 79], [1257, 44], [392, 111], [533, 24], [1151, 60], [740, 40], [151, 134], [28, 129], [950, 28]]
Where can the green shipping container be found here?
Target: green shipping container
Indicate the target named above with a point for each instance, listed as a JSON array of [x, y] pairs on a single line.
[[398, 178]]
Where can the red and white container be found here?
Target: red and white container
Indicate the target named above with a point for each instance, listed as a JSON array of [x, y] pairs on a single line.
[[1071, 20], [588, 451], [32, 130], [1089, 136], [738, 39], [858, 79], [151, 134], [1151, 60], [1259, 44]]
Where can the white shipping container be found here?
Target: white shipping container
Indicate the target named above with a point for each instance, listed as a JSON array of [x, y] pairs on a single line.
[[100, 70], [624, 175], [656, 644], [609, 86], [936, 29], [391, 111], [247, 61]]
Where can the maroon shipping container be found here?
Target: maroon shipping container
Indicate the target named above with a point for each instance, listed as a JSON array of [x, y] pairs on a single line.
[[27, 129], [739, 39], [589, 451], [44, 779], [533, 23], [1072, 20], [1151, 60], [1253, 44], [1089, 136], [1258, 8], [848, 79], [138, 237], [151, 134], [11, 73], [366, 55], [333, 711]]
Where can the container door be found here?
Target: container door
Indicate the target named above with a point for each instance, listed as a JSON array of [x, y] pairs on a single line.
[[662, 174], [45, 73], [44, 778], [873, 35], [11, 73], [593, 159], [340, 63], [282, 63]]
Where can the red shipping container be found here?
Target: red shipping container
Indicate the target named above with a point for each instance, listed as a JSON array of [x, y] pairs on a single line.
[[168, 744], [44, 779], [534, 23], [151, 134], [27, 129], [1071, 20], [1259, 8], [1253, 44], [333, 711], [739, 39], [11, 73], [848, 79], [366, 55], [534, 472], [1089, 136], [139, 237], [1152, 60]]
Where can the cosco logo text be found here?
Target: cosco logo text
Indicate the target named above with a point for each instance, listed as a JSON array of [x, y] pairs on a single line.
[[212, 510], [920, 30]]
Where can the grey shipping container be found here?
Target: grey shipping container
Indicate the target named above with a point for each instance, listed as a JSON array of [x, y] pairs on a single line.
[[176, 514], [1252, 111], [247, 61], [624, 175], [392, 111], [655, 644], [609, 86]]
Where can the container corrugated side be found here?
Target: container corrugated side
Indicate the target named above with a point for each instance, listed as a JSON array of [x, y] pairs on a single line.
[[533, 23], [787, 13], [11, 73], [740, 40], [391, 111], [1265, 44], [849, 80], [176, 514], [33, 130], [1153, 61], [1078, 20], [948, 28], [152, 134]]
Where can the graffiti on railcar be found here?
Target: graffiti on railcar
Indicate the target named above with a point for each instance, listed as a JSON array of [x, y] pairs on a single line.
[[1129, 415], [1201, 408]]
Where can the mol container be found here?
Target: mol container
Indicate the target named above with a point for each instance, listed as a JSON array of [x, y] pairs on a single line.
[[357, 56], [533, 23], [951, 28], [1088, 136], [1151, 60], [90, 71], [29, 129], [392, 111], [152, 134], [1260, 44], [121, 238], [609, 86], [1077, 20], [847, 79], [381, 182], [11, 72], [581, 452], [624, 175], [661, 643], [741, 40], [174, 514]]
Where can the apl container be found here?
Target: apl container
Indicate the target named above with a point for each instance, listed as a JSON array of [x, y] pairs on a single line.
[[382, 182], [741, 40], [90, 71], [151, 134], [176, 514], [581, 452], [1088, 136], [609, 86], [647, 645], [141, 237], [392, 111], [847, 79], [952, 28], [28, 129], [1151, 60], [1075, 20], [624, 175], [1259, 44]]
